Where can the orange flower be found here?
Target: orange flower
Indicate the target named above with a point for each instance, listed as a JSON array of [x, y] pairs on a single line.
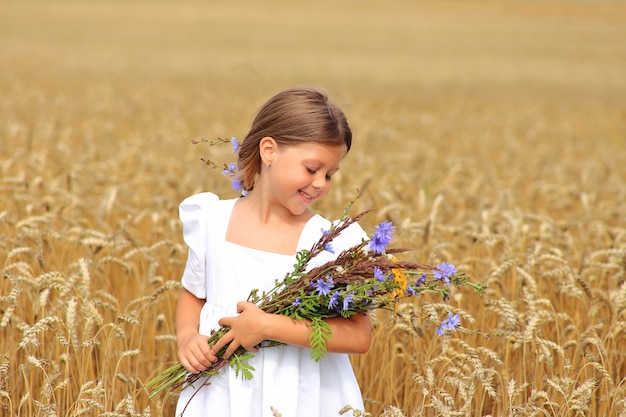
[[400, 278]]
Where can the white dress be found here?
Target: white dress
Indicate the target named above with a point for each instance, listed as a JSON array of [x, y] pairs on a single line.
[[285, 377]]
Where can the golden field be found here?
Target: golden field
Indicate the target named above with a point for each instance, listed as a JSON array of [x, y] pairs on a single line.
[[492, 133]]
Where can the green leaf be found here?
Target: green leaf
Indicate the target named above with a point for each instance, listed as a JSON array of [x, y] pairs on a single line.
[[320, 334], [239, 362]]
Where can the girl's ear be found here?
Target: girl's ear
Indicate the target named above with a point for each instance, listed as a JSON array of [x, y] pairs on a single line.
[[267, 149]]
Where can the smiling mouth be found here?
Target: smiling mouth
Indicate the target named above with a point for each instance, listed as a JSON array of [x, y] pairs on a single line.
[[306, 196]]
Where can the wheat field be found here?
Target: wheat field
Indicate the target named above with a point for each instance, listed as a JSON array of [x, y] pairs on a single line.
[[492, 134]]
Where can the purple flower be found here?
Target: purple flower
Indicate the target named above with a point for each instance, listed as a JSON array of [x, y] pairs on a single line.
[[334, 300], [444, 271], [235, 144], [297, 302], [236, 184], [409, 291], [347, 299], [323, 287], [230, 169], [328, 247], [378, 274], [451, 323], [421, 280], [383, 234]]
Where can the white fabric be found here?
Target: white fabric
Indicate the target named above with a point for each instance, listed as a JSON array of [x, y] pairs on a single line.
[[223, 273]]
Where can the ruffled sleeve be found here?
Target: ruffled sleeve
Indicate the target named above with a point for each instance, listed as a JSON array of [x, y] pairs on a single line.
[[350, 236], [193, 213]]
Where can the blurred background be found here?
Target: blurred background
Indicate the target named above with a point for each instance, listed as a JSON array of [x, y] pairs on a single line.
[[492, 133]]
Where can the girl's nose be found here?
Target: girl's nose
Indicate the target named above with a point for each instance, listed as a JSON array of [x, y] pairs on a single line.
[[319, 181]]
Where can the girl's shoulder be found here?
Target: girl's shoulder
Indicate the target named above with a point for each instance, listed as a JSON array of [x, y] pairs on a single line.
[[350, 236], [203, 207], [202, 202], [352, 232], [199, 200]]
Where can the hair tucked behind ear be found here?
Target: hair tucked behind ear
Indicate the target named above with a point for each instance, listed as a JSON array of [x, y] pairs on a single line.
[[293, 116]]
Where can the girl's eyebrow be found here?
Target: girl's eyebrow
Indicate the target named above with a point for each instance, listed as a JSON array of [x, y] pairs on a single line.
[[319, 165], [315, 161]]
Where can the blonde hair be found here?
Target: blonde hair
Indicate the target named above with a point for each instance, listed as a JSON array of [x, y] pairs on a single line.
[[291, 117]]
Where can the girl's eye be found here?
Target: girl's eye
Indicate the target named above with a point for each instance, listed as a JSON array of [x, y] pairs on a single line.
[[314, 171]]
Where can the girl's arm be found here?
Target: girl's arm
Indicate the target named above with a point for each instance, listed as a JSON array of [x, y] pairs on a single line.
[[252, 326], [194, 352]]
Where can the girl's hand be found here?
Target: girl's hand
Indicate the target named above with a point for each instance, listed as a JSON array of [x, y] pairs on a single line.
[[246, 329], [194, 352]]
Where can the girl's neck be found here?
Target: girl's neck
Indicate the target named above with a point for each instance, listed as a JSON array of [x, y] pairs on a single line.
[[267, 211], [260, 226]]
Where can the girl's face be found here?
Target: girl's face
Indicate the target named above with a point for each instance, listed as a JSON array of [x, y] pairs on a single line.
[[301, 174]]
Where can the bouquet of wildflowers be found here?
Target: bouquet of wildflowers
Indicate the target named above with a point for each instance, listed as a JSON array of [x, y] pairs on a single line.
[[364, 277]]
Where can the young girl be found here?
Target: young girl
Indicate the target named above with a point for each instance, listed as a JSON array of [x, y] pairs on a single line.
[[296, 143]]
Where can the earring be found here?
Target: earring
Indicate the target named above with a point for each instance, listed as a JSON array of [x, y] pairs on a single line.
[[267, 165]]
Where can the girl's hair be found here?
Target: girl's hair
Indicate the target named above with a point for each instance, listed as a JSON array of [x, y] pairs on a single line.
[[291, 117]]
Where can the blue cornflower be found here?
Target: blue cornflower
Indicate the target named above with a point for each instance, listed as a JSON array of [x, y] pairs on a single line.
[[236, 184], [347, 299], [235, 144], [383, 234], [378, 274], [323, 287], [230, 169], [451, 323], [444, 271], [297, 302], [334, 300], [409, 290], [329, 247], [421, 280]]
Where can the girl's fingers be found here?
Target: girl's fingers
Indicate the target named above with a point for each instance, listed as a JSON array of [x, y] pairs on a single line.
[[231, 349], [241, 328], [241, 306], [224, 340], [192, 365], [225, 321]]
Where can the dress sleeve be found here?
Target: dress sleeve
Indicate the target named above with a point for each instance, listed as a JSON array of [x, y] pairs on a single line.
[[350, 236], [193, 213]]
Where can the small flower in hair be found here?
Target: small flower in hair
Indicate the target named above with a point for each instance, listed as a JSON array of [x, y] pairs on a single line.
[[236, 184], [230, 169], [235, 144]]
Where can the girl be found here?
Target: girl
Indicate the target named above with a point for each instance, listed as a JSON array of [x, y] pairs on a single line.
[[296, 143]]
